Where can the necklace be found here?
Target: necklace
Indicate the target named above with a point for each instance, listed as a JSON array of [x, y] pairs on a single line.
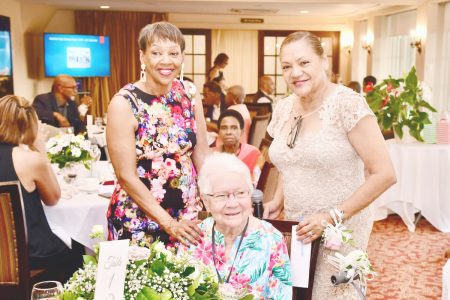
[[237, 251]]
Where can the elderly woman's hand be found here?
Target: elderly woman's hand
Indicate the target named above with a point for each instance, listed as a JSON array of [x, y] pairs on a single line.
[[311, 227], [187, 232]]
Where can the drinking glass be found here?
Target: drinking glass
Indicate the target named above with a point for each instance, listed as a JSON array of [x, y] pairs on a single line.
[[99, 122], [47, 290]]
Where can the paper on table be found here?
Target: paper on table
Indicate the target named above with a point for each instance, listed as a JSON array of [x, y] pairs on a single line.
[[300, 258], [112, 267]]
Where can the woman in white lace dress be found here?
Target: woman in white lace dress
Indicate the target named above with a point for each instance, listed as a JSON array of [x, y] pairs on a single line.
[[324, 136]]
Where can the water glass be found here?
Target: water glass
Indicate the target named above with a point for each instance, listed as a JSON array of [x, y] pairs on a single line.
[[99, 122], [47, 290]]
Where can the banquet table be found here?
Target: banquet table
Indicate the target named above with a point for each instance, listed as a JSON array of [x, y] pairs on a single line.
[[423, 185], [73, 217]]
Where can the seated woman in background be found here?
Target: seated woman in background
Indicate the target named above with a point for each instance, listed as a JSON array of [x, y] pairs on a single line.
[[231, 125], [23, 158], [244, 251]]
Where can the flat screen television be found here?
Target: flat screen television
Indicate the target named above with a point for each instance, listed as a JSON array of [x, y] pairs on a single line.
[[76, 55], [6, 72]]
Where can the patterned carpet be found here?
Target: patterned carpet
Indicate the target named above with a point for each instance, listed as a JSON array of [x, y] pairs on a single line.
[[409, 264]]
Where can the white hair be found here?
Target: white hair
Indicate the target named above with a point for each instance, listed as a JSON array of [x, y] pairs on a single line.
[[219, 164]]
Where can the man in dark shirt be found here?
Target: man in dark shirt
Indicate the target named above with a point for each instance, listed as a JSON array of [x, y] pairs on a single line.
[[58, 107], [266, 86]]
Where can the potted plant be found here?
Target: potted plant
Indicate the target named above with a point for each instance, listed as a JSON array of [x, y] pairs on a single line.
[[401, 104]]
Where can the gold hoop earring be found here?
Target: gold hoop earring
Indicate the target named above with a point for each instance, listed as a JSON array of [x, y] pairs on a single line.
[[143, 76], [182, 72]]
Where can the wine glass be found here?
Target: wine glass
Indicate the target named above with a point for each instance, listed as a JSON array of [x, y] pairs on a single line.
[[47, 290]]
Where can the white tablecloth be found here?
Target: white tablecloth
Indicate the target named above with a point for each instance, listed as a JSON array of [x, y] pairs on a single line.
[[446, 281], [73, 218], [423, 184]]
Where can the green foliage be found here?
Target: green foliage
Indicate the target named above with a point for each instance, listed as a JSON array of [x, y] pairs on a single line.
[[400, 102]]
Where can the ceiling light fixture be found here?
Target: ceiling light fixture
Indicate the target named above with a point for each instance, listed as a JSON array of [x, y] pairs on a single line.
[[104, 6], [304, 12]]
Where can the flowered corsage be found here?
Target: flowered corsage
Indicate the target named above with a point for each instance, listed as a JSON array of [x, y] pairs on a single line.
[[334, 236]]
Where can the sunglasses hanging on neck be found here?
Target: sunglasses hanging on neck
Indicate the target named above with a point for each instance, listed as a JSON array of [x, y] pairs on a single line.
[[295, 129]]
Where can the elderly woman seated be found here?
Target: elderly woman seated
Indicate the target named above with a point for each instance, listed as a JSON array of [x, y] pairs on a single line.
[[231, 126], [244, 251]]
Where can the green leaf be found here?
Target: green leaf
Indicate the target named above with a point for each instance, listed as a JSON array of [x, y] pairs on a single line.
[[188, 271], [150, 294], [158, 267], [87, 259], [166, 295], [411, 79], [69, 296], [248, 297]]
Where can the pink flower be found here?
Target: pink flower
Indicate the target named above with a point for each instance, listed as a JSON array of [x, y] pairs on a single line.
[[333, 243], [389, 87]]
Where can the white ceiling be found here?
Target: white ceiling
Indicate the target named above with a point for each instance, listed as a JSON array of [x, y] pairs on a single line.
[[319, 8]]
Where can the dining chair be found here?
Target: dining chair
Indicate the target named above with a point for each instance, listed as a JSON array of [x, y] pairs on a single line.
[[15, 275], [268, 181], [258, 129], [285, 227]]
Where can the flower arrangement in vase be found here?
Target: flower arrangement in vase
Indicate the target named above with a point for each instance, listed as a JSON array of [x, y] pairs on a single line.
[[68, 149], [153, 273], [401, 103]]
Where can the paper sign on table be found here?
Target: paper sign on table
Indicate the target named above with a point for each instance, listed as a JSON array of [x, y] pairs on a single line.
[[112, 267], [300, 257]]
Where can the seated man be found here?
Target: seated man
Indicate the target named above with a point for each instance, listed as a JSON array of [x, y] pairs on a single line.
[[235, 100], [214, 101], [231, 125], [57, 108], [266, 86]]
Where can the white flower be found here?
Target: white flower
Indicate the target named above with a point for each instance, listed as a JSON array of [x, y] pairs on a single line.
[[76, 152], [55, 150], [138, 253]]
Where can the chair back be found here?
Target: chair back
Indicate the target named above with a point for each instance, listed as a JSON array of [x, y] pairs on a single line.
[[285, 227], [268, 181], [249, 98], [258, 129], [14, 267], [259, 108]]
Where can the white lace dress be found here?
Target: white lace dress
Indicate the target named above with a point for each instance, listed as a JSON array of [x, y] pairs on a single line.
[[321, 171]]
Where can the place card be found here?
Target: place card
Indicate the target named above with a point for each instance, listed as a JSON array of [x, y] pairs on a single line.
[[300, 259], [112, 267]]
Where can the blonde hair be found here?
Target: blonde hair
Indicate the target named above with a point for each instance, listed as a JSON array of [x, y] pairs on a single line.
[[18, 121], [312, 39], [160, 30]]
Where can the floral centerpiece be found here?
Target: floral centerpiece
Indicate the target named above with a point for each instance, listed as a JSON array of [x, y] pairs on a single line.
[[152, 274], [401, 102], [67, 149]]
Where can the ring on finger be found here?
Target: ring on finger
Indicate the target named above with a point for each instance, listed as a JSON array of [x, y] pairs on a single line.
[[310, 233]]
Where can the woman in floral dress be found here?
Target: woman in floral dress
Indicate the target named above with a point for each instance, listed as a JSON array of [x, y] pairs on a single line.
[[154, 141], [248, 255]]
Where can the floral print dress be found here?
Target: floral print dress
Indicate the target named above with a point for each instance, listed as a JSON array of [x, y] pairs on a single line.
[[165, 139], [262, 262]]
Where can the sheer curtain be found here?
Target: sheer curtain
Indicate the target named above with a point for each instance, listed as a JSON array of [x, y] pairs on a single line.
[[241, 46], [123, 30], [441, 92], [397, 56]]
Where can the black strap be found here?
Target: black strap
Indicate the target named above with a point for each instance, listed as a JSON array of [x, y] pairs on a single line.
[[237, 250]]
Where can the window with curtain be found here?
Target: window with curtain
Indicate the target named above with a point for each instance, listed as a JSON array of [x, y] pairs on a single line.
[[269, 52], [400, 56], [197, 55]]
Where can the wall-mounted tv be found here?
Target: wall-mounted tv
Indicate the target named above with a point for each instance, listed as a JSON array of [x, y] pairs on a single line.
[[6, 72], [76, 55]]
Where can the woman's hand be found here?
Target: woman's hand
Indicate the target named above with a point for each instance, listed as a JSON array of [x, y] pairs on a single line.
[[272, 209], [187, 232], [311, 228]]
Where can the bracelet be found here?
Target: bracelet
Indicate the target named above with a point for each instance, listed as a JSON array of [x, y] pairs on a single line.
[[337, 215]]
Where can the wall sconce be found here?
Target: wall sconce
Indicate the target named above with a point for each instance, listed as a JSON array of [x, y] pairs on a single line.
[[347, 41], [416, 41], [366, 42]]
